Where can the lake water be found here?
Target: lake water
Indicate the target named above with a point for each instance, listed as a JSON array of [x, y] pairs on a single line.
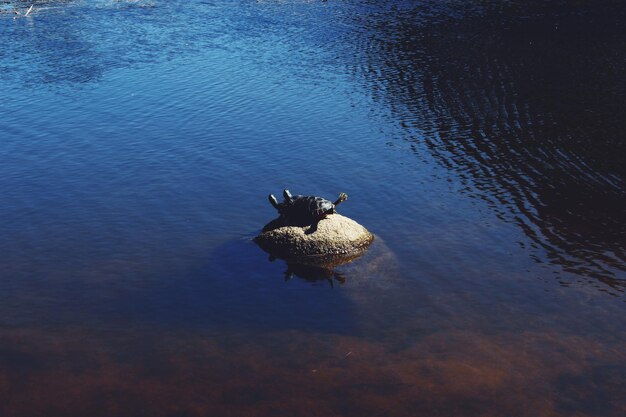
[[481, 142]]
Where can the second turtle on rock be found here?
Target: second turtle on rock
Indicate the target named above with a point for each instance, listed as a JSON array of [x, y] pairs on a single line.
[[304, 210]]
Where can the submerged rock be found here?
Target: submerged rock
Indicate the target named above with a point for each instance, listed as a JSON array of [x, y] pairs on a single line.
[[336, 239]]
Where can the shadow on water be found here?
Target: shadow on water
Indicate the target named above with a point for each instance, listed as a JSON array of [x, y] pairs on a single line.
[[264, 292], [523, 104]]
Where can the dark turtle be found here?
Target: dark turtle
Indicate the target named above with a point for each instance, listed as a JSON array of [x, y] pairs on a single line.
[[304, 210]]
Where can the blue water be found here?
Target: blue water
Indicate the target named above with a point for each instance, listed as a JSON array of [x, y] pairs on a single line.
[[481, 143]]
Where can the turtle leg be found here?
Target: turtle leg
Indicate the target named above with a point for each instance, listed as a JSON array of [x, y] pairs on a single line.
[[287, 195], [312, 228], [342, 197], [273, 202]]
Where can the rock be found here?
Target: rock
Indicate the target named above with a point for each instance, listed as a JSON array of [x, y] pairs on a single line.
[[335, 239]]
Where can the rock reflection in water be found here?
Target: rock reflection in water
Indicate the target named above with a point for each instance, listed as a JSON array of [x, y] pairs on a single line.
[[317, 269], [313, 273]]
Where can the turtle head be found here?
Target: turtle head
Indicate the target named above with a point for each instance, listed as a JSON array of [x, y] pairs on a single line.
[[342, 197]]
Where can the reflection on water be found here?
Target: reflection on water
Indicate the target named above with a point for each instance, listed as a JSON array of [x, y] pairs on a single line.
[[524, 106], [314, 273]]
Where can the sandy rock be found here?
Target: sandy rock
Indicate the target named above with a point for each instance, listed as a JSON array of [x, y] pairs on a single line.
[[336, 236]]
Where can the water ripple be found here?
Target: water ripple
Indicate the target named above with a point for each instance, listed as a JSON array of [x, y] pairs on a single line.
[[520, 128]]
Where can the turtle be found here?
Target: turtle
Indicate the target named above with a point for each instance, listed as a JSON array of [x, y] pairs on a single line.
[[304, 210]]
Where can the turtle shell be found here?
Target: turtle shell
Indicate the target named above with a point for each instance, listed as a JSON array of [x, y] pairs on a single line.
[[300, 209], [309, 208]]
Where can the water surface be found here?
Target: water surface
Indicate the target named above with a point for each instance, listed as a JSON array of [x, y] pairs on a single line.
[[482, 142]]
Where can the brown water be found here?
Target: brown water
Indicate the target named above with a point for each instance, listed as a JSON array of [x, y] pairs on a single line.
[[482, 142]]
